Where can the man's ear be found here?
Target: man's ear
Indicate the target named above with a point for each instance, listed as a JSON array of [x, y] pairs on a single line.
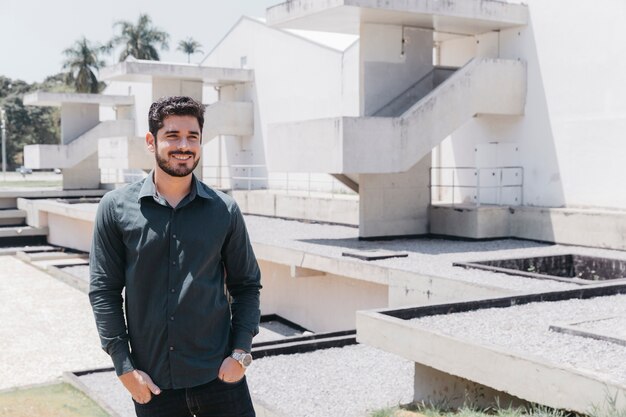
[[150, 142]]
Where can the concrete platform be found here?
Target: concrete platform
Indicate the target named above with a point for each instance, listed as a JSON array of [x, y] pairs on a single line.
[[463, 17], [143, 71], [431, 337], [603, 228], [321, 207], [8, 198]]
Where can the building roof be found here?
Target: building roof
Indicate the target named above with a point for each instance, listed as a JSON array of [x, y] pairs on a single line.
[[467, 17], [144, 71], [42, 98]]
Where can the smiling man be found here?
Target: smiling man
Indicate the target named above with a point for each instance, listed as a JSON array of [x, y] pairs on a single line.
[[173, 244]]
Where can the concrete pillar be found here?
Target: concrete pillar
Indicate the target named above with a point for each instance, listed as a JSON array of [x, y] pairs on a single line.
[[84, 175], [393, 58], [441, 389], [77, 119], [395, 204]]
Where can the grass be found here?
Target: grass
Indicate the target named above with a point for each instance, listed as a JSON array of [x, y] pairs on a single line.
[[608, 408], [58, 400], [417, 410]]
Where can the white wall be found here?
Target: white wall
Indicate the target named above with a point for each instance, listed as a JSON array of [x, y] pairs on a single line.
[[142, 92], [388, 65], [324, 303], [571, 138], [295, 79]]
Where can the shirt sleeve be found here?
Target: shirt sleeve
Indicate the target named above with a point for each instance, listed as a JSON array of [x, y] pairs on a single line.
[[243, 280], [106, 282]]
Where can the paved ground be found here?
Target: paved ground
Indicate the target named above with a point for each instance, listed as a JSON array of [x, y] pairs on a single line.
[[47, 327]]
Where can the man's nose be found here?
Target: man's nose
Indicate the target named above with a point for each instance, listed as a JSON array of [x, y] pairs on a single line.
[[183, 142]]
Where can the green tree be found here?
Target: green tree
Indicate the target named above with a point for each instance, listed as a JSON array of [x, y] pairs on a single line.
[[27, 125], [140, 40], [82, 61], [190, 46]]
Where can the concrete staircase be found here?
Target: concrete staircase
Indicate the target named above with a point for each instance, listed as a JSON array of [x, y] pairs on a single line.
[[396, 142], [14, 231], [79, 149]]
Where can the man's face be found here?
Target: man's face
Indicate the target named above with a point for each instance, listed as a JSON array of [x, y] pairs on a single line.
[[177, 145]]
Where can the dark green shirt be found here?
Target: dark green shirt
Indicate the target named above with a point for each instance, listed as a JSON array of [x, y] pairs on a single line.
[[173, 264]]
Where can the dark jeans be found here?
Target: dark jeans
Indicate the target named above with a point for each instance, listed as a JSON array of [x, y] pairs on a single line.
[[215, 399]]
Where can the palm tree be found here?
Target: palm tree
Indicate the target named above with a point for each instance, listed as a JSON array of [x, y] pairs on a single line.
[[139, 40], [190, 46], [82, 61]]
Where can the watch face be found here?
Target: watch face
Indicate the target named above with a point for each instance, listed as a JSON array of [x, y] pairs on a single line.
[[246, 360]]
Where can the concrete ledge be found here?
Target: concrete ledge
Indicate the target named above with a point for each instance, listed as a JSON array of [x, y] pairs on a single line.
[[143, 71], [42, 98], [21, 231], [340, 209], [405, 287], [573, 226], [454, 16], [529, 378]]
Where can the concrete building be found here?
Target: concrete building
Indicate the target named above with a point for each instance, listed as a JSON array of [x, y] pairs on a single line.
[[464, 118]]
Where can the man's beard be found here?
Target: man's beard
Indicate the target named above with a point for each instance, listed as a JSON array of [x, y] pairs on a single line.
[[176, 170]]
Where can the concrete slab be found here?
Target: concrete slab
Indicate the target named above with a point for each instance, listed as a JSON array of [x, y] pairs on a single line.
[[464, 340], [144, 71], [603, 228], [346, 16], [42, 98], [321, 207]]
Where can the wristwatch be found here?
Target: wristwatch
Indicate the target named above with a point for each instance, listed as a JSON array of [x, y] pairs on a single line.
[[244, 358]]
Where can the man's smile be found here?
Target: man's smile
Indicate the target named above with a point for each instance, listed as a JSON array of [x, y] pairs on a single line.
[[181, 157]]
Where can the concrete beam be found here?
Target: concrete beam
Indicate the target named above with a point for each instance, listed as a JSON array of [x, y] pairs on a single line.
[[600, 228], [299, 272], [42, 98], [234, 118], [346, 16], [144, 71], [525, 377]]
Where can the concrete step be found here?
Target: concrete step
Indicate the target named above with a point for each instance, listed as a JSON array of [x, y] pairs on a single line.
[[12, 217], [22, 231], [50, 256]]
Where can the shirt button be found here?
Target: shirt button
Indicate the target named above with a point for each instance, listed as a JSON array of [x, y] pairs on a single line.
[[173, 290], [174, 235], [171, 347], [172, 318], [173, 262]]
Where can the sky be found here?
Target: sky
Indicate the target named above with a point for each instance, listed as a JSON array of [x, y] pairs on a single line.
[[34, 33]]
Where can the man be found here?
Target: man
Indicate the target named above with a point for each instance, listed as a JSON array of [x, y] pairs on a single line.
[[172, 243]]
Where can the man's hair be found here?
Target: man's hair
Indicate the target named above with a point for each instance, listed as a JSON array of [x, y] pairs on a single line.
[[173, 106]]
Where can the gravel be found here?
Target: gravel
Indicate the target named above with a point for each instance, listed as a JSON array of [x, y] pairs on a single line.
[[524, 330], [611, 326], [47, 327], [347, 382]]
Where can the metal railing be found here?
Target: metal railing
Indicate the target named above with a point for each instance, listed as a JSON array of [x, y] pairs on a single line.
[[291, 182], [484, 178]]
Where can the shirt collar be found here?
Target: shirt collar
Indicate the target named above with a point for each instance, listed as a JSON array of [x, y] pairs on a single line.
[[148, 189]]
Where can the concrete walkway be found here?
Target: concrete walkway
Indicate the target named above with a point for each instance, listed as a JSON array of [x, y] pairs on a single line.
[[46, 327]]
